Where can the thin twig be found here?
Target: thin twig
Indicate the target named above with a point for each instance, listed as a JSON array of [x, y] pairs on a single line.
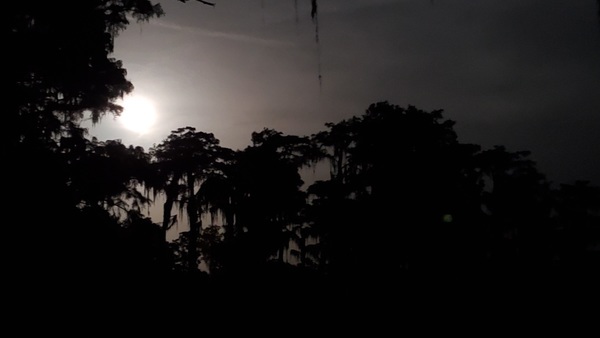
[[206, 2]]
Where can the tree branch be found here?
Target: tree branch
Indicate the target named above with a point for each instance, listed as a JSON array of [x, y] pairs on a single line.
[[206, 2], [200, 1]]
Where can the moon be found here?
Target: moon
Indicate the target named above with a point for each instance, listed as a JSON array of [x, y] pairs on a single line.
[[139, 114]]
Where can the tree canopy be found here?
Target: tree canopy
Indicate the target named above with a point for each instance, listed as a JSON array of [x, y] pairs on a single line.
[[403, 197]]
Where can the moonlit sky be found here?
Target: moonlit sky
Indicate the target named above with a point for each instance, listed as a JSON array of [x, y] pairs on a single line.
[[519, 73]]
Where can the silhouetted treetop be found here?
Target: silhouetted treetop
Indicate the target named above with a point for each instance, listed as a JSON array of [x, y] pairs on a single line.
[[298, 150], [187, 147]]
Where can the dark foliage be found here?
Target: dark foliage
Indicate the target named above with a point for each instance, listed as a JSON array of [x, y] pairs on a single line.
[[406, 203]]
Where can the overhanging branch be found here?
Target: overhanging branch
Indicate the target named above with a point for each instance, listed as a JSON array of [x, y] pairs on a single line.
[[201, 1], [206, 2]]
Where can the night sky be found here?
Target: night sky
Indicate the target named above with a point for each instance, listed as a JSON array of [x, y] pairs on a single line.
[[519, 73]]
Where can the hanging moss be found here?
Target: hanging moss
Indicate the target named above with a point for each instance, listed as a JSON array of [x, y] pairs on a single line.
[[314, 13]]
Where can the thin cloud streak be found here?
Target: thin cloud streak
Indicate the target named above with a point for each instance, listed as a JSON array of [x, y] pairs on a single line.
[[221, 35]]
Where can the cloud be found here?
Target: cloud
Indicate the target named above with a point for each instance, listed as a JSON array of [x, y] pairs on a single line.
[[221, 35]]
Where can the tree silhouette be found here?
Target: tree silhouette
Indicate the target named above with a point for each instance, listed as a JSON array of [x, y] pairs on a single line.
[[185, 160], [75, 73], [267, 198], [108, 174], [404, 197], [397, 172], [61, 69], [58, 76], [515, 198]]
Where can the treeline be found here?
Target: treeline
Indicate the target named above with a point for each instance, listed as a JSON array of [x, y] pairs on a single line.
[[404, 197]]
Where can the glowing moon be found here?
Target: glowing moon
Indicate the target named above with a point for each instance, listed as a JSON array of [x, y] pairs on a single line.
[[138, 114]]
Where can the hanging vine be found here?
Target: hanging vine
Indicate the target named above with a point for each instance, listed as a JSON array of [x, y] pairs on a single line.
[[314, 13]]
